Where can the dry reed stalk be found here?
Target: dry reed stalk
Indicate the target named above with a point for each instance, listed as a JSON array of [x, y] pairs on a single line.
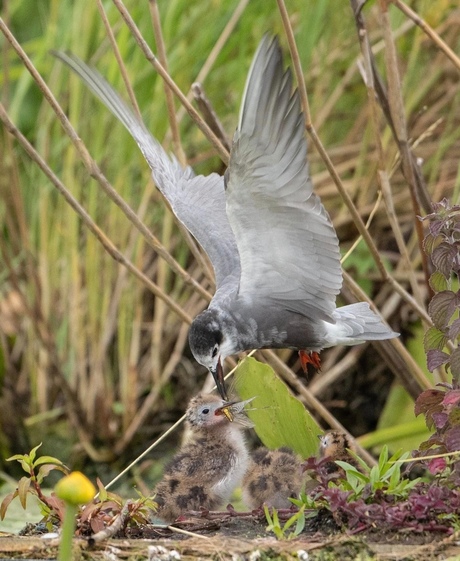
[[93, 168]]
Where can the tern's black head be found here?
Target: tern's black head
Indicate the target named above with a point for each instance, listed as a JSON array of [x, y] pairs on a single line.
[[205, 338]]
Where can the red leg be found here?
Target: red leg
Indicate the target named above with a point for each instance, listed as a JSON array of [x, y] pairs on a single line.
[[309, 358]]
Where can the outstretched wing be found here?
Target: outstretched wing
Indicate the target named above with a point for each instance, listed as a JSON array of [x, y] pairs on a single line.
[[287, 244], [197, 201]]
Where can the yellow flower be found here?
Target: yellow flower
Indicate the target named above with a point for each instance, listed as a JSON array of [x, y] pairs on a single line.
[[75, 488]]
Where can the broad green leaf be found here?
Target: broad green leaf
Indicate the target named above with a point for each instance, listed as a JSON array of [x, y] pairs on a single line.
[[48, 460], [434, 339], [280, 419], [438, 282]]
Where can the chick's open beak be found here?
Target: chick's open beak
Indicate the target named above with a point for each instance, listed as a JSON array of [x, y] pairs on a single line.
[[218, 375]]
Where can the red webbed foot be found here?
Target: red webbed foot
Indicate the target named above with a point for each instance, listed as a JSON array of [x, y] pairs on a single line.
[[309, 358]]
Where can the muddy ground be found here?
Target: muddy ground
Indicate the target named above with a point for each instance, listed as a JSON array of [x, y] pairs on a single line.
[[243, 538]]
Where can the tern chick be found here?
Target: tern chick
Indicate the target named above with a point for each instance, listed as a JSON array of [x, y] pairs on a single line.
[[272, 245], [336, 445], [212, 461], [273, 477]]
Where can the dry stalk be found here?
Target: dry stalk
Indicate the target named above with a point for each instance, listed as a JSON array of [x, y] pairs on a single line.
[[170, 82], [116, 52], [428, 30], [93, 168], [396, 105], [209, 62]]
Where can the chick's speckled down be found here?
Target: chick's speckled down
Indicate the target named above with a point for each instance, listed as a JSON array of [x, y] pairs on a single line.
[[209, 465], [273, 477]]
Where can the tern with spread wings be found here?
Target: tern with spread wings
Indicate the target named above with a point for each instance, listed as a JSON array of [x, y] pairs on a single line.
[[272, 245]]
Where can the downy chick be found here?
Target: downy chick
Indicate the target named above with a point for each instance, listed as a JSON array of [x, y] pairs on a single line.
[[273, 477], [335, 445], [212, 461]]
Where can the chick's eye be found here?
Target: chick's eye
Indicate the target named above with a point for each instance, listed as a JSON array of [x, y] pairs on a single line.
[[205, 411], [214, 352]]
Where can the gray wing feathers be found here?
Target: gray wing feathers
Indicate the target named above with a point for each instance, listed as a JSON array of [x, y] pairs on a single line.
[[197, 201], [288, 247]]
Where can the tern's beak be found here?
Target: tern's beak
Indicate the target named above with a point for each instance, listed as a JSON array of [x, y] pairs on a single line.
[[218, 375]]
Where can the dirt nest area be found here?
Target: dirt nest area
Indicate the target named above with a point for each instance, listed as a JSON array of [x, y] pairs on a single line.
[[242, 537]]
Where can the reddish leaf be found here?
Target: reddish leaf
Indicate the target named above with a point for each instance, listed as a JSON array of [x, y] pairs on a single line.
[[23, 489], [97, 525], [427, 400], [6, 503], [452, 397], [437, 465], [442, 307], [435, 358]]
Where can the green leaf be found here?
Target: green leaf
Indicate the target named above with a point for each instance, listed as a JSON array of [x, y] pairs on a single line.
[[48, 460], [19, 457], [280, 419], [434, 339], [33, 452], [438, 282]]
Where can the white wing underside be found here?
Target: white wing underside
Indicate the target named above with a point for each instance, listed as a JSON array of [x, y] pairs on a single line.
[[288, 248]]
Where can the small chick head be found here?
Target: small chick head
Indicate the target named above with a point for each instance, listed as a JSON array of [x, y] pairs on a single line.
[[207, 410], [204, 411], [334, 444]]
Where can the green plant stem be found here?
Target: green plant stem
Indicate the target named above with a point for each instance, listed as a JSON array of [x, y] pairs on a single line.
[[68, 528]]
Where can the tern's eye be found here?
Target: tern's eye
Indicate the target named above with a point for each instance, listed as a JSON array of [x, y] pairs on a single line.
[[214, 352], [205, 411]]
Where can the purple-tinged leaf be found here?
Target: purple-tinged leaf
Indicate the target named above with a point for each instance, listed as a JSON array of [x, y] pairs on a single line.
[[455, 364], [442, 307], [430, 243], [440, 419], [434, 339], [435, 359], [437, 465], [428, 399], [438, 282], [452, 397], [454, 329], [453, 439], [436, 227], [444, 257]]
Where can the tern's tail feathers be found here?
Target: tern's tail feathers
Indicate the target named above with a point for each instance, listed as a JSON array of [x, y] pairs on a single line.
[[357, 323]]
